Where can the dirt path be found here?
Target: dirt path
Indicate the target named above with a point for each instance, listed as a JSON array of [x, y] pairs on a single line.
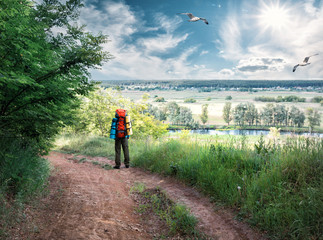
[[89, 202]]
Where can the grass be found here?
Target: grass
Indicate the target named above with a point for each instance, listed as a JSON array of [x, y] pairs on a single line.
[[93, 146], [276, 183], [177, 217]]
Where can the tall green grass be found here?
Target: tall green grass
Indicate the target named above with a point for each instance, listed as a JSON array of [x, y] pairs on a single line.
[[277, 185]]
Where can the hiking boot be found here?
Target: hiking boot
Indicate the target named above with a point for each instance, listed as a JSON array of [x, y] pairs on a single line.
[[127, 166], [116, 167]]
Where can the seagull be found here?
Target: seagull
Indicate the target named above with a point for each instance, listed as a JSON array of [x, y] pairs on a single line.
[[304, 63], [193, 18]]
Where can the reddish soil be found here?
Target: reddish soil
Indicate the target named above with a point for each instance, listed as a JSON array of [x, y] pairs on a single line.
[[89, 202]]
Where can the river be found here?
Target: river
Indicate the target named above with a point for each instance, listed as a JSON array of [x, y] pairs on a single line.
[[247, 132]]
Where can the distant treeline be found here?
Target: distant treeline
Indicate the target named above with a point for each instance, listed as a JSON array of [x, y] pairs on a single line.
[[280, 99], [218, 83]]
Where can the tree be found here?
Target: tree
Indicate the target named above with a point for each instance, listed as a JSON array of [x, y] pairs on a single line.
[[251, 113], [296, 117], [280, 115], [313, 118], [185, 116], [173, 112], [227, 116], [98, 109], [267, 114], [204, 116], [239, 114], [43, 72]]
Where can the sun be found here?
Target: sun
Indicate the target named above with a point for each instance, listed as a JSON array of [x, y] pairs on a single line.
[[274, 16]]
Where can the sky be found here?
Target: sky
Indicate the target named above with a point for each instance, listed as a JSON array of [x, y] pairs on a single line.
[[245, 39]]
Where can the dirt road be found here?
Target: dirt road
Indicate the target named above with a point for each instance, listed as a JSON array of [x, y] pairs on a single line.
[[89, 202]]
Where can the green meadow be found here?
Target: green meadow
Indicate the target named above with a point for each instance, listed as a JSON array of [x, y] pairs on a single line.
[[217, 99], [276, 184]]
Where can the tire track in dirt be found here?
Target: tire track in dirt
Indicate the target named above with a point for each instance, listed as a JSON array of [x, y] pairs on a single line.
[[97, 205]]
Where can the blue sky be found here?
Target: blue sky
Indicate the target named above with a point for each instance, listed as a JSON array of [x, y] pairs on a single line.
[[245, 39]]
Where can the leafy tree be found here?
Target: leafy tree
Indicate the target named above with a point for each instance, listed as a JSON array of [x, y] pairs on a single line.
[[226, 113], [296, 117], [204, 116], [239, 114], [98, 109], [158, 113], [172, 112], [42, 72], [313, 118], [280, 115], [267, 114], [185, 116], [251, 113], [317, 99]]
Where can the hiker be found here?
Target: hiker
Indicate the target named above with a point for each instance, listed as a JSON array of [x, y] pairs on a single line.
[[120, 131]]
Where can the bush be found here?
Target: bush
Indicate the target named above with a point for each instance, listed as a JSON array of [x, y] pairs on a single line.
[[22, 172], [190, 100], [23, 175], [228, 98], [159, 99]]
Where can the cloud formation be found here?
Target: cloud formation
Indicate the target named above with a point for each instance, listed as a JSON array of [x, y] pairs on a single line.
[[240, 46]]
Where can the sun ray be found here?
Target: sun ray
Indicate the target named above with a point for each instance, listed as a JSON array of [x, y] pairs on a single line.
[[274, 16]]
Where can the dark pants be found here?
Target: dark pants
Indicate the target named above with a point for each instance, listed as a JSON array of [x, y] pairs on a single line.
[[124, 143]]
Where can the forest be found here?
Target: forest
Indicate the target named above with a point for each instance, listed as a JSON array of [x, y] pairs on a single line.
[[217, 84]]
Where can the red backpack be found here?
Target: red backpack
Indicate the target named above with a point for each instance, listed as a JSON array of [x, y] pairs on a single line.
[[121, 123]]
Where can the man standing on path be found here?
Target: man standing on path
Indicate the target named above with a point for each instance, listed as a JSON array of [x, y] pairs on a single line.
[[121, 138], [124, 143]]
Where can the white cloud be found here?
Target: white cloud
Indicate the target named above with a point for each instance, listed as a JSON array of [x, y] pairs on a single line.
[[230, 38], [204, 52], [135, 57], [245, 41]]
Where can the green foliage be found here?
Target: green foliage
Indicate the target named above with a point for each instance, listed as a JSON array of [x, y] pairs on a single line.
[[207, 85], [22, 173], [98, 109], [177, 217], [85, 144], [159, 99], [278, 186], [228, 98], [280, 99], [41, 71], [227, 114], [313, 117], [180, 115], [190, 100], [204, 116], [317, 99]]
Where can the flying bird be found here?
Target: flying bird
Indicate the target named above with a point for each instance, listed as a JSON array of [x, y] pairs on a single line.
[[304, 63], [193, 18]]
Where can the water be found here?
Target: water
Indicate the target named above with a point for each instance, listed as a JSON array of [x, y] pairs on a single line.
[[247, 132]]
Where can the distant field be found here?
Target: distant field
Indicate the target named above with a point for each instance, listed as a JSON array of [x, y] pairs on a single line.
[[218, 100]]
